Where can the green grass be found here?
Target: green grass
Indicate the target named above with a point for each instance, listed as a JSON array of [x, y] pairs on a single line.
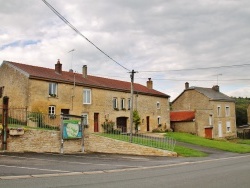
[[218, 144], [246, 141], [180, 150]]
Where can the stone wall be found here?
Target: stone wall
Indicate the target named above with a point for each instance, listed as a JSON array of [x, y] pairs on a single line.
[[49, 141], [95, 143]]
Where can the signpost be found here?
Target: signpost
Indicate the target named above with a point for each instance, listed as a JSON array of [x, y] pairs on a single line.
[[71, 128]]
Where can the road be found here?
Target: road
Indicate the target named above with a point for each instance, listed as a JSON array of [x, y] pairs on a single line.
[[107, 171]]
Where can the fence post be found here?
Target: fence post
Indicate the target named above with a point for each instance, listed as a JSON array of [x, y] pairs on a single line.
[[5, 122]]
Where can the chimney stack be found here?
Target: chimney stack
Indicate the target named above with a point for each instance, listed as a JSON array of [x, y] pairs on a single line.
[[216, 88], [149, 83], [186, 85], [84, 71], [58, 67]]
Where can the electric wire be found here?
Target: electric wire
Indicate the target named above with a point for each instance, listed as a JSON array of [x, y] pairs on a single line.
[[79, 33]]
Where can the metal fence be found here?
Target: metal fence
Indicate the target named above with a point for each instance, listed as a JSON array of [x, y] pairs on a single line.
[[244, 135], [22, 117], [165, 143]]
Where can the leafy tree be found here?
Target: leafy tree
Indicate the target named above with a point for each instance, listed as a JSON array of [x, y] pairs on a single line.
[[136, 119], [241, 105]]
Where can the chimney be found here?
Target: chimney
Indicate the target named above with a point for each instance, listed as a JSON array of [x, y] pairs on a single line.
[[216, 88], [58, 67], [149, 83], [84, 71], [186, 85]]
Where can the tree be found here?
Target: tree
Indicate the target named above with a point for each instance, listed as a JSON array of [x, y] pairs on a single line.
[[136, 119]]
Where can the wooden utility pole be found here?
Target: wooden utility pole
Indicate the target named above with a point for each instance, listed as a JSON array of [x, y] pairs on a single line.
[[5, 122]]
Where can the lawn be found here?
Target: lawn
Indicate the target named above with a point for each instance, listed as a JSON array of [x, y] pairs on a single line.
[[218, 144], [180, 150]]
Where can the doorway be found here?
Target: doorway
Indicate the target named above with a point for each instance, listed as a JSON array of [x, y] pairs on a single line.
[[96, 122], [121, 123]]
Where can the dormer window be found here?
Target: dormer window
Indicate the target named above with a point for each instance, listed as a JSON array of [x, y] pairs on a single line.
[[53, 89]]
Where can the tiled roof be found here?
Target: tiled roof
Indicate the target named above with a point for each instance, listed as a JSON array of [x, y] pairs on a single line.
[[41, 73], [212, 94], [182, 116]]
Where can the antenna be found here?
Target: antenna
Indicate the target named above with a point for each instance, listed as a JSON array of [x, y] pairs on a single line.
[[218, 78], [71, 51]]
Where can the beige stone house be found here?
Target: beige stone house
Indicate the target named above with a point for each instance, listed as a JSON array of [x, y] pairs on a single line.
[[54, 91], [214, 111]]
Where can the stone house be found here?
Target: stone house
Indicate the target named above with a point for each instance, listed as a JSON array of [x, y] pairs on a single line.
[[54, 91], [214, 112]]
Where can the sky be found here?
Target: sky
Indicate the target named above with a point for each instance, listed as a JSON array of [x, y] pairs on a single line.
[[203, 42]]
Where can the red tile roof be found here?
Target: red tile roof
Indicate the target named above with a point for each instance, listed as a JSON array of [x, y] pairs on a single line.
[[182, 116], [42, 73]]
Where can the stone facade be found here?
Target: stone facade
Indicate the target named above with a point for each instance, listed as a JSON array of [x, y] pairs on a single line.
[[217, 114], [49, 141]]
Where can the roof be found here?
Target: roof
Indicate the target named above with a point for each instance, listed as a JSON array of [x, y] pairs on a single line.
[[182, 116], [210, 93], [42, 73]]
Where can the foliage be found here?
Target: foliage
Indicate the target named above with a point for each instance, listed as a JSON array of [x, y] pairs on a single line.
[[108, 126], [241, 105], [218, 144], [136, 119]]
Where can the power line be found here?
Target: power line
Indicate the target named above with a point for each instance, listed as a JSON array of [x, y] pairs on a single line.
[[202, 68], [78, 32]]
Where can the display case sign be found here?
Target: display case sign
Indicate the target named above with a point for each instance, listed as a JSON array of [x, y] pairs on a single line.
[[72, 129]]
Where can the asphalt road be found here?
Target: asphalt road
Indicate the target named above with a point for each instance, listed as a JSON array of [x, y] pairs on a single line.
[[220, 169]]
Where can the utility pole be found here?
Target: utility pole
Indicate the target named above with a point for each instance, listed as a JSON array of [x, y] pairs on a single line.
[[5, 122], [131, 103]]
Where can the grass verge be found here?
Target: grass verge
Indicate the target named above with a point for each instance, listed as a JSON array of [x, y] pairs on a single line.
[[218, 144], [180, 150]]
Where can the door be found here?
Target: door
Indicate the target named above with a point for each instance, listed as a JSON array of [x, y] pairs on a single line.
[[96, 120], [209, 132], [148, 129], [121, 123], [220, 130]]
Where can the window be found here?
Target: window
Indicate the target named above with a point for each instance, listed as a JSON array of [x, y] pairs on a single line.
[[87, 96], [129, 104], [159, 120], [158, 105], [122, 103], [115, 103], [53, 89], [228, 126], [227, 111], [52, 111], [210, 119], [85, 118], [218, 110]]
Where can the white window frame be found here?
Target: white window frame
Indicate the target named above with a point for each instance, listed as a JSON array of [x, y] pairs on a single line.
[[85, 118], [129, 103], [53, 89], [218, 111], [158, 106], [210, 120], [52, 111], [123, 104], [159, 120], [86, 96], [115, 102], [227, 111], [228, 126]]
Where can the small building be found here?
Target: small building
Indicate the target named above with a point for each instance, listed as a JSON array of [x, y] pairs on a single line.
[[214, 112], [54, 91]]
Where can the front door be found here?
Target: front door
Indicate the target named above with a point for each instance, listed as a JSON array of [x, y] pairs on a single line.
[[220, 130], [209, 132], [96, 120]]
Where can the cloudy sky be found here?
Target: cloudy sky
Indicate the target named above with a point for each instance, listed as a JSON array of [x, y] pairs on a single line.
[[203, 42]]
